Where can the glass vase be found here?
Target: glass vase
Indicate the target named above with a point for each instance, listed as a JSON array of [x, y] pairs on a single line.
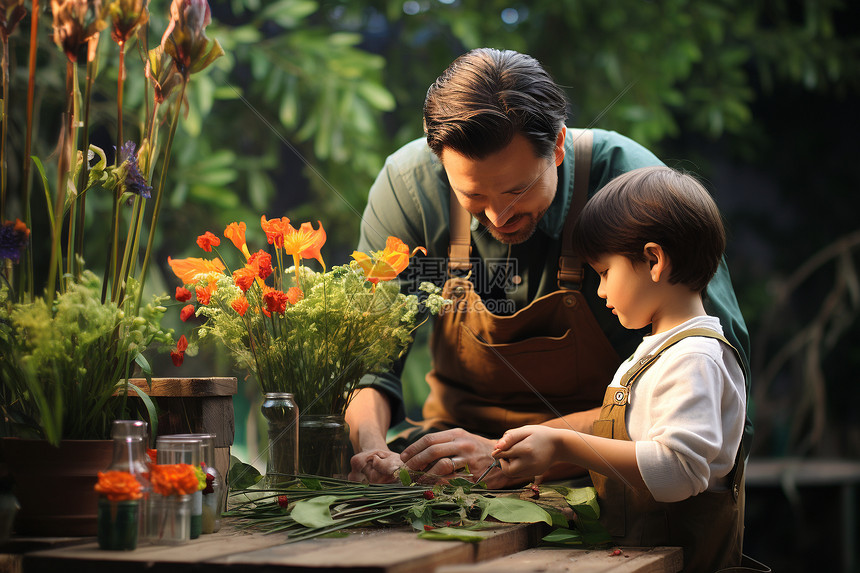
[[212, 496], [324, 447], [182, 449], [130, 438], [282, 416], [117, 524], [170, 519]]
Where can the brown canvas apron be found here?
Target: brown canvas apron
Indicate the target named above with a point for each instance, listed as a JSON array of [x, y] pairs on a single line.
[[492, 373], [709, 526]]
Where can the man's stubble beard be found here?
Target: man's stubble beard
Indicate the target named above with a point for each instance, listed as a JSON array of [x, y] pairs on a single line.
[[520, 236]]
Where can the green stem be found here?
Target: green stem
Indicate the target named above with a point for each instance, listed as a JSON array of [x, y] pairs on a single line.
[[3, 127], [116, 280], [152, 227], [63, 163], [83, 179], [26, 276], [71, 264]]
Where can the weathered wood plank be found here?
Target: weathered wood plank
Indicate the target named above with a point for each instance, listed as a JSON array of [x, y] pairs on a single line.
[[561, 560], [88, 556], [188, 387], [383, 551]]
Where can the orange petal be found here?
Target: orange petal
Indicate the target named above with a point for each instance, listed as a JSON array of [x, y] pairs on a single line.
[[188, 270]]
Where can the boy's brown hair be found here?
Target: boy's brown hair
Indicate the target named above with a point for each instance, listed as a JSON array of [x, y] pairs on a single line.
[[660, 205]]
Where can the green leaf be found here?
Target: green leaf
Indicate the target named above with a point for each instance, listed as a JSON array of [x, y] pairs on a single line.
[[377, 95], [583, 500], [288, 13], [144, 397], [311, 483], [241, 475], [405, 479], [314, 512], [452, 534], [514, 510], [563, 537]]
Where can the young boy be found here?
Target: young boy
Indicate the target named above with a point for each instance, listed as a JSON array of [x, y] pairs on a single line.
[[664, 454]]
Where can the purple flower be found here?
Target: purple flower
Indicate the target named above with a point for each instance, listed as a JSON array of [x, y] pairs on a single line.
[[14, 238], [133, 181]]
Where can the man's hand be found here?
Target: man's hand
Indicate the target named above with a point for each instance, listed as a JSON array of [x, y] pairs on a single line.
[[444, 453], [376, 466]]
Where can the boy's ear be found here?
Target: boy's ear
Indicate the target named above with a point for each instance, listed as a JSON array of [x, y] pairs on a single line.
[[658, 262]]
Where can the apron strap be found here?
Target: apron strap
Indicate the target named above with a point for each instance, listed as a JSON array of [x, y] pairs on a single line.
[[570, 266], [460, 248], [645, 362], [737, 473]]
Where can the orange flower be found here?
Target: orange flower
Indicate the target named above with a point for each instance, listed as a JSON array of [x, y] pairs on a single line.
[[205, 293], [118, 486], [276, 301], [186, 312], [304, 242], [174, 479], [263, 261], [183, 294], [275, 230], [189, 269], [245, 276], [236, 233], [240, 305], [178, 355], [294, 295], [387, 264], [207, 240]]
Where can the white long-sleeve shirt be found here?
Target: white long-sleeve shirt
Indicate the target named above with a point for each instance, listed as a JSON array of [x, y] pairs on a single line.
[[686, 412]]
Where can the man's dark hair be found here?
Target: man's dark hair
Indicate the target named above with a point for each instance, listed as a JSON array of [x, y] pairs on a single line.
[[660, 205], [487, 96]]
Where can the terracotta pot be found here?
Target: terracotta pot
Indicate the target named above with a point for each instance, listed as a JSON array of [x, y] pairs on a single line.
[[54, 486]]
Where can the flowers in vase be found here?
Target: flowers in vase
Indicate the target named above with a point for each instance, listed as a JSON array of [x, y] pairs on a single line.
[[308, 332], [118, 510]]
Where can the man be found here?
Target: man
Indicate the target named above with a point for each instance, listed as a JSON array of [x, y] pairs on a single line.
[[492, 194]]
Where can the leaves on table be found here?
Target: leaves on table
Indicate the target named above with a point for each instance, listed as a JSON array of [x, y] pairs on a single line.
[[319, 506]]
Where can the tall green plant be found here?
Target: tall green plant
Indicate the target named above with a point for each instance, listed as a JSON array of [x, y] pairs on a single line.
[[67, 356]]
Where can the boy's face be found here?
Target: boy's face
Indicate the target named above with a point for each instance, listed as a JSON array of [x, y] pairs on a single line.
[[507, 192], [628, 289]]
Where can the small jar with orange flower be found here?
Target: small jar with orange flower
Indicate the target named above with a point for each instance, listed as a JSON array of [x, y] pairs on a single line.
[[170, 504], [118, 510]]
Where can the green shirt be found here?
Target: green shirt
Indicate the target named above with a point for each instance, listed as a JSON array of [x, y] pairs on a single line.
[[410, 200]]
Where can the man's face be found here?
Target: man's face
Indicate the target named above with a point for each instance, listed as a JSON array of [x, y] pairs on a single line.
[[507, 192]]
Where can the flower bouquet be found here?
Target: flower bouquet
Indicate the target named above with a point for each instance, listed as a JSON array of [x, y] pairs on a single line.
[[310, 333], [67, 352]]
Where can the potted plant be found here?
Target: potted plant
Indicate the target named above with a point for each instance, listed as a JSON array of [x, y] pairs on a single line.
[[309, 333], [67, 351]]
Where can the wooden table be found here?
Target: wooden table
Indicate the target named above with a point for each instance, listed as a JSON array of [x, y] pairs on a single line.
[[509, 548]]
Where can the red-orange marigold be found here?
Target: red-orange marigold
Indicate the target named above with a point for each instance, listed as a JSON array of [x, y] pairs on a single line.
[[118, 486], [208, 240], [245, 276], [276, 301], [240, 305]]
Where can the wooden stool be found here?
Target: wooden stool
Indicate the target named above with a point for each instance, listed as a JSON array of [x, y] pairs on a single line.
[[195, 406]]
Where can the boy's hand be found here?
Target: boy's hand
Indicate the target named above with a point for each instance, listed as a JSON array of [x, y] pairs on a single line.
[[527, 451]]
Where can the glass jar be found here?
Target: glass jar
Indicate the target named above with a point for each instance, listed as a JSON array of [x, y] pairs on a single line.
[[118, 524], [129, 455], [179, 449], [324, 447], [169, 519], [213, 493], [282, 415]]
